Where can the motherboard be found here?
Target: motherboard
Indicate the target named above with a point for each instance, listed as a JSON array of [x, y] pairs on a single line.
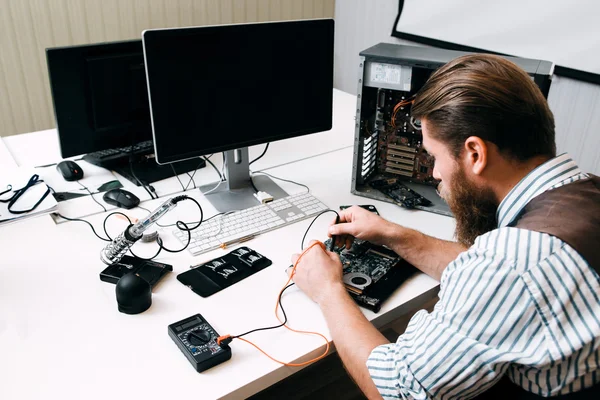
[[399, 144], [372, 273]]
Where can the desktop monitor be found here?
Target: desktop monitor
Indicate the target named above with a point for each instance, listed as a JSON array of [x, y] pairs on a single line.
[[223, 88], [100, 96]]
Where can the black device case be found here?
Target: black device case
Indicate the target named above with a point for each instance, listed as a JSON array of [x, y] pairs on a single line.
[[215, 275], [151, 271]]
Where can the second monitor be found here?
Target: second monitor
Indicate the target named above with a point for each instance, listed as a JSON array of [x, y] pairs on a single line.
[[223, 88]]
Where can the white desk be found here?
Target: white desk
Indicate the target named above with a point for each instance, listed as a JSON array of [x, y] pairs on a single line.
[[61, 335]]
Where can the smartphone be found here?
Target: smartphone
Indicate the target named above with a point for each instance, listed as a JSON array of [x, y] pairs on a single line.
[[368, 207]]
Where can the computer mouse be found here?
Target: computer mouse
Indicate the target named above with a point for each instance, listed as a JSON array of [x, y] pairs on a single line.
[[121, 198], [70, 170]]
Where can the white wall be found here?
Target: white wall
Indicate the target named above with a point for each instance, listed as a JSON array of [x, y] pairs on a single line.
[[576, 105]]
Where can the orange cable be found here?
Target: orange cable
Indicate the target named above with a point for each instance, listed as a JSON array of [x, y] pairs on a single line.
[[291, 329]]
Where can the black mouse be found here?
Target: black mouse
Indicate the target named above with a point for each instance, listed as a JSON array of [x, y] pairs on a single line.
[[70, 170], [121, 198]]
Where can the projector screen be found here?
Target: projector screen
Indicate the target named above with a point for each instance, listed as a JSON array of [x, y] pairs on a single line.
[[564, 32]]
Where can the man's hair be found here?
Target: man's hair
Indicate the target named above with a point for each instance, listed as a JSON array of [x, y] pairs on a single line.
[[490, 97]]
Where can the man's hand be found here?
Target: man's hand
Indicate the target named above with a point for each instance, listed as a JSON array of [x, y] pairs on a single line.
[[356, 222], [318, 273]]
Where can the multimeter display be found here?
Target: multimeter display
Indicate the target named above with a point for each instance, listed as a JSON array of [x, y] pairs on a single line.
[[197, 340], [195, 321]]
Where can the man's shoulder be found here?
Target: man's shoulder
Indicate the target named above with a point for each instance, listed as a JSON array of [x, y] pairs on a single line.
[[516, 248]]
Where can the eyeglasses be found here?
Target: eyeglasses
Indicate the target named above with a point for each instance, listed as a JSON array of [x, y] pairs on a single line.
[[17, 194]]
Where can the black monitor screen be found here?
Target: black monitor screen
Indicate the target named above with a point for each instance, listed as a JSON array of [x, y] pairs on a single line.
[[100, 96], [224, 87]]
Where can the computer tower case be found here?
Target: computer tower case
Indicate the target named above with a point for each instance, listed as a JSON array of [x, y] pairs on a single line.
[[389, 163]]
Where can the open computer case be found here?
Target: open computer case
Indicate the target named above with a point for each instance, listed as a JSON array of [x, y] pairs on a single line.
[[387, 142]]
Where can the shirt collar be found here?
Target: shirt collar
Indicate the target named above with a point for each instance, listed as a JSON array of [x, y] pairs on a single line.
[[541, 179]]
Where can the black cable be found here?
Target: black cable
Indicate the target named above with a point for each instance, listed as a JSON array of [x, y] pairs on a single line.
[[83, 220], [313, 221], [253, 185], [214, 166], [261, 155], [45, 165], [285, 180], [177, 176], [143, 184], [274, 326], [92, 195], [180, 224], [193, 174], [291, 284], [194, 222]]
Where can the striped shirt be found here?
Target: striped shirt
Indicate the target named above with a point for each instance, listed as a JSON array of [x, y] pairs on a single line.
[[518, 302]]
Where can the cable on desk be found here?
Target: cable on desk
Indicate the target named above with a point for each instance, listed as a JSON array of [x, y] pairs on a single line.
[[261, 155], [226, 339], [281, 179], [92, 196], [83, 220], [180, 225]]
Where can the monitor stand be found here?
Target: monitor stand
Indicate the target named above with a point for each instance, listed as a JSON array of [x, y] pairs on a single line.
[[236, 193]]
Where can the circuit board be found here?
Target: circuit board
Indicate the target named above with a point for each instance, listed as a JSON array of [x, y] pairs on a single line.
[[372, 273], [400, 150], [401, 194]]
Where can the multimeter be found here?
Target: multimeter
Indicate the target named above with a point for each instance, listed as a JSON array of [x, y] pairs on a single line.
[[197, 340]]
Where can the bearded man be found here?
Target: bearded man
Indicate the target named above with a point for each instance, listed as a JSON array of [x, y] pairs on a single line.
[[519, 308]]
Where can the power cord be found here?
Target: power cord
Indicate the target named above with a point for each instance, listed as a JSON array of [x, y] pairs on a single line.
[[261, 155], [281, 179]]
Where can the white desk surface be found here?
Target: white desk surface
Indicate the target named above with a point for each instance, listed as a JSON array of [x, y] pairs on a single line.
[[61, 335]]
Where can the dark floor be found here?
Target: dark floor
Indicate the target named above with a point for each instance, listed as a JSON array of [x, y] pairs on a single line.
[[326, 379]]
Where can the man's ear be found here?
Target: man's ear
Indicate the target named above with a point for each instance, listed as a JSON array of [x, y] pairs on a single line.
[[475, 155]]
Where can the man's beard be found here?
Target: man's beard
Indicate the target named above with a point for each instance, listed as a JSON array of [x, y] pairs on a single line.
[[474, 208]]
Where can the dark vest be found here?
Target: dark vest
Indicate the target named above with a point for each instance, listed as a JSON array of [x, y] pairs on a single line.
[[572, 214]]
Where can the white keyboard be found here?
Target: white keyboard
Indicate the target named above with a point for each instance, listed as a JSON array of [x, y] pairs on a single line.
[[243, 224]]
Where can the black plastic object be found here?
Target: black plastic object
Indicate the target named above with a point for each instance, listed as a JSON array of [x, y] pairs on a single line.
[[70, 170], [121, 198], [215, 275], [134, 294], [197, 340], [151, 271]]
